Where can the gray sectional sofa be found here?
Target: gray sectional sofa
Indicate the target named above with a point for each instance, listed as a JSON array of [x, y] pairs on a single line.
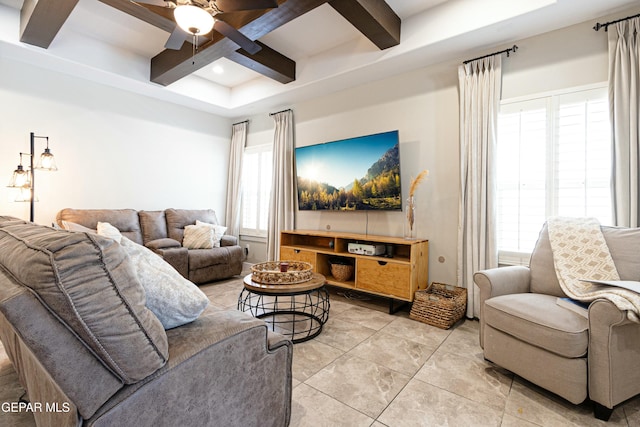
[[162, 232], [89, 352]]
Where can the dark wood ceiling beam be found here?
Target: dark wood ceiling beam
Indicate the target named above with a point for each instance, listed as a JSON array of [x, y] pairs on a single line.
[[373, 18], [267, 62], [40, 20], [170, 66]]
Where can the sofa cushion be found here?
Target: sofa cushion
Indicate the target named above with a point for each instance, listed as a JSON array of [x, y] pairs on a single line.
[[228, 240], [538, 320], [203, 258], [88, 282], [220, 373], [53, 364], [623, 244], [153, 225], [543, 271], [165, 243], [125, 220], [178, 219]]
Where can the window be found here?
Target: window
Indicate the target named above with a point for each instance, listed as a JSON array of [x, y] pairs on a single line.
[[554, 158], [256, 190]]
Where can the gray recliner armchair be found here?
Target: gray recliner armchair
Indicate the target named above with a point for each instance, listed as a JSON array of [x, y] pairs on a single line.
[[524, 330]]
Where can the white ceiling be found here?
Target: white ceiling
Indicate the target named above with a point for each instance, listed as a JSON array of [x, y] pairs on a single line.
[[103, 44]]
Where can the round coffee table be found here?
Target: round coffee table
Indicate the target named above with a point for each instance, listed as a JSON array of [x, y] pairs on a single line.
[[297, 310]]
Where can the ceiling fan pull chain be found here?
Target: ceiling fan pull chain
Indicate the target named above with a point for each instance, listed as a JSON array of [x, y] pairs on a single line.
[[194, 48]]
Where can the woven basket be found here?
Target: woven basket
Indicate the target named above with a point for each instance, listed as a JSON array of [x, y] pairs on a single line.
[[342, 272], [269, 272], [440, 305]]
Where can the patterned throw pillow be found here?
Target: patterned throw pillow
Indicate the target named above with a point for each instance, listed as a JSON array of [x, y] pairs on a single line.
[[172, 298], [218, 232], [198, 237]]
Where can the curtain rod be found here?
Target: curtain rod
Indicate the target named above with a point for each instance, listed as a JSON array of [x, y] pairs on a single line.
[[278, 112], [507, 51], [239, 123], [606, 24]]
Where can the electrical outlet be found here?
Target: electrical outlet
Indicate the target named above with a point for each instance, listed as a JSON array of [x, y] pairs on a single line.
[[246, 249]]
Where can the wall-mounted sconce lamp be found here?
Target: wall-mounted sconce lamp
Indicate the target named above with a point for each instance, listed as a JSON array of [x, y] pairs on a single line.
[[24, 180]]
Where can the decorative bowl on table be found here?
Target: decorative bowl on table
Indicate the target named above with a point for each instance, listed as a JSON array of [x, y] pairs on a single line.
[[281, 272]]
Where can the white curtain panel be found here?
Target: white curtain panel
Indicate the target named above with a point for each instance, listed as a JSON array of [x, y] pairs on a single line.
[[624, 104], [480, 88], [283, 193], [234, 189]]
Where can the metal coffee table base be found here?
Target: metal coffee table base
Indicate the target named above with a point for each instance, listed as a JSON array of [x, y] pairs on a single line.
[[297, 315]]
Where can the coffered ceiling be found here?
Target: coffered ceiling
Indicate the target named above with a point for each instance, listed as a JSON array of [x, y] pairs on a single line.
[[119, 43]]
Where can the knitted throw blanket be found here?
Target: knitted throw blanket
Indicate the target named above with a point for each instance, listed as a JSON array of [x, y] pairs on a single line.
[[581, 252]]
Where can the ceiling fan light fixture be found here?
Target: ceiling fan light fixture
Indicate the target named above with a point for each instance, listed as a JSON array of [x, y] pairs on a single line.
[[193, 19]]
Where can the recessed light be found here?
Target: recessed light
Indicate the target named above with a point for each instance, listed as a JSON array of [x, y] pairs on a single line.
[[217, 69]]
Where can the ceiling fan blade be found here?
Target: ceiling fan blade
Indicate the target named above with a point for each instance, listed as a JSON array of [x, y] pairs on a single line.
[[152, 2], [176, 39], [236, 36], [237, 5]]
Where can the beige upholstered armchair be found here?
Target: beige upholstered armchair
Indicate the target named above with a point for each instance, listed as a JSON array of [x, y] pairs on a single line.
[[524, 330]]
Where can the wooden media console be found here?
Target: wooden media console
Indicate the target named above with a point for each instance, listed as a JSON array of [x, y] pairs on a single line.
[[397, 274]]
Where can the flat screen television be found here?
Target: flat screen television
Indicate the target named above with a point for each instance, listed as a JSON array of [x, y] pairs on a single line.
[[354, 174]]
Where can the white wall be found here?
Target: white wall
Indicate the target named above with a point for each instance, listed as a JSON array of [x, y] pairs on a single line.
[[423, 106], [571, 57], [114, 149]]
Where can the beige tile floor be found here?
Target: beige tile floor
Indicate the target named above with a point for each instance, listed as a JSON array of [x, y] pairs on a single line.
[[370, 368]]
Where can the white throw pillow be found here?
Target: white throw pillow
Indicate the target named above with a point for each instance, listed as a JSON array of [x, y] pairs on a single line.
[[198, 237], [72, 226], [218, 232], [107, 230], [173, 299]]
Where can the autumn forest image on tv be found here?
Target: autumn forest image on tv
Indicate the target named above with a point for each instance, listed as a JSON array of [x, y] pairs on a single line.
[[360, 173]]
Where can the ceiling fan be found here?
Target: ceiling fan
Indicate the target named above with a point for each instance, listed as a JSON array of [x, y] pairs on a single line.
[[197, 18]]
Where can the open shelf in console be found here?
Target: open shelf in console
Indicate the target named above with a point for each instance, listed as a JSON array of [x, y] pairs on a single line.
[[307, 241], [390, 250], [324, 267]]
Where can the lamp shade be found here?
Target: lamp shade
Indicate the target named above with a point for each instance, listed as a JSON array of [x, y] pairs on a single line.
[[47, 161], [193, 19], [24, 195], [20, 178]]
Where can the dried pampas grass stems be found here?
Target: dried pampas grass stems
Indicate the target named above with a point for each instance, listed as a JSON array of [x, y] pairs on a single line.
[[416, 181]]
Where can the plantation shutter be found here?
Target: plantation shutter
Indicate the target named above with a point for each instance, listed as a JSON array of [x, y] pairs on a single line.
[[256, 190], [554, 158]]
